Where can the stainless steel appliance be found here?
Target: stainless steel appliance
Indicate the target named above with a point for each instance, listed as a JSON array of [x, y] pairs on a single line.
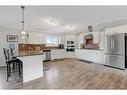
[[61, 46], [70, 46], [115, 50], [47, 54]]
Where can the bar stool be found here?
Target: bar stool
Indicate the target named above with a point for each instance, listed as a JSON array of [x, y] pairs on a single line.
[[16, 60], [12, 61]]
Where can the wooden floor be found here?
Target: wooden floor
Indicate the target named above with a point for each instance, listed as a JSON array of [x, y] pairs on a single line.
[[71, 74]]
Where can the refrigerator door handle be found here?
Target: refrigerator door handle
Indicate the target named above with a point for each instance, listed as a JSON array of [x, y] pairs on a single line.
[[113, 47]]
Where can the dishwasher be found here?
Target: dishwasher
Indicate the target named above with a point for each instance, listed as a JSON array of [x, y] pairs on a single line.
[[47, 55]]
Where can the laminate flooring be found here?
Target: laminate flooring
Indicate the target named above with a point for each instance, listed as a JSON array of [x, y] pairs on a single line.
[[70, 74]]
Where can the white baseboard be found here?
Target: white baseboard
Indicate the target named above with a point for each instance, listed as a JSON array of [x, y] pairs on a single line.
[[2, 65]]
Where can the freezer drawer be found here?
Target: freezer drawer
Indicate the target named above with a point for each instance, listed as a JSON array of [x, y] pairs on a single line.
[[115, 61]]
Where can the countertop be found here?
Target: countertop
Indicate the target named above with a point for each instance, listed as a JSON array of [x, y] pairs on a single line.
[[54, 49], [28, 53], [89, 49]]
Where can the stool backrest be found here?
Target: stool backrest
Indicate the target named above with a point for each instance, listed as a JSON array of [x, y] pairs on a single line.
[[6, 54], [11, 52]]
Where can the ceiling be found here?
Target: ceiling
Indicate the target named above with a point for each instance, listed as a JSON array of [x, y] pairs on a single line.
[[78, 16]]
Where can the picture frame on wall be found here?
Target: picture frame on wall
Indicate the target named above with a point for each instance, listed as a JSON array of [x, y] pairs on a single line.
[[12, 38]]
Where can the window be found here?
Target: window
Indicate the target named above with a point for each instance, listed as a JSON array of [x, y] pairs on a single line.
[[52, 40]]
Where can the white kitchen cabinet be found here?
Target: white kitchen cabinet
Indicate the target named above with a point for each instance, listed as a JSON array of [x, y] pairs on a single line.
[[96, 37], [102, 57], [31, 37], [95, 56], [58, 54], [62, 39], [84, 54], [102, 40], [77, 41], [71, 55], [70, 37], [36, 38], [81, 38], [98, 57]]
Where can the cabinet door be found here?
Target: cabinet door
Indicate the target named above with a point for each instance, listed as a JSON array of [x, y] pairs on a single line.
[[102, 40], [62, 39], [57, 54], [96, 37], [81, 39], [36, 38], [31, 38], [98, 57]]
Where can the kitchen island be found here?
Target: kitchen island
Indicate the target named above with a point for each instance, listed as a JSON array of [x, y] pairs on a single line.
[[32, 64]]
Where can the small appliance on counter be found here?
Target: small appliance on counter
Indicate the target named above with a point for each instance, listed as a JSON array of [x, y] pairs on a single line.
[[61, 46]]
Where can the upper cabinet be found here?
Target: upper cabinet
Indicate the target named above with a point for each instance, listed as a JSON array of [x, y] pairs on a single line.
[[65, 38], [61, 39], [70, 37], [36, 38], [96, 37], [81, 38], [102, 40]]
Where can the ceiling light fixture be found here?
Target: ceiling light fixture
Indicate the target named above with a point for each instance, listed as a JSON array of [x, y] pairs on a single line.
[[23, 31], [52, 22], [23, 37], [70, 27]]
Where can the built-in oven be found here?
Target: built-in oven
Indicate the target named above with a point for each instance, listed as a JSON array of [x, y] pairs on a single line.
[[70, 46]]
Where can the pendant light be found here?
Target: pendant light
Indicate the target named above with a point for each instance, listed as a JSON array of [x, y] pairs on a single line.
[[23, 32]]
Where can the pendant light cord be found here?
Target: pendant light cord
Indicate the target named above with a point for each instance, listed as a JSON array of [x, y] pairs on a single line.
[[22, 7]]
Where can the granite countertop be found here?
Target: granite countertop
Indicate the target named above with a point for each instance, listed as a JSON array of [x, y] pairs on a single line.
[[28, 53], [89, 49], [54, 49]]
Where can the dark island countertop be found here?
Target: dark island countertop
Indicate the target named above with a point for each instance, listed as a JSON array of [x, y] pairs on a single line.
[[28, 53]]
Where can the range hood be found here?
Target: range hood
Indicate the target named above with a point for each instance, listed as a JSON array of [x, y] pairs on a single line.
[[90, 28], [89, 36]]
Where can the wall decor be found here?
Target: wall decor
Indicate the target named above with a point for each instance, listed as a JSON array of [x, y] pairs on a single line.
[[12, 38]]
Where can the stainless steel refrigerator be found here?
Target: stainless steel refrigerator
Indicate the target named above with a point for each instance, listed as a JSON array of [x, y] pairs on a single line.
[[115, 50]]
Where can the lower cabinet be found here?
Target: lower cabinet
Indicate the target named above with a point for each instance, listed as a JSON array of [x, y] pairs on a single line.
[[95, 56], [58, 54]]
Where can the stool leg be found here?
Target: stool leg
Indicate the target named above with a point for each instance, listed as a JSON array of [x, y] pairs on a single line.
[[14, 64], [7, 72], [19, 67]]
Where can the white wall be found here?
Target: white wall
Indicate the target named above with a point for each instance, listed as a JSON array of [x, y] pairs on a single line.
[[116, 30], [3, 41]]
